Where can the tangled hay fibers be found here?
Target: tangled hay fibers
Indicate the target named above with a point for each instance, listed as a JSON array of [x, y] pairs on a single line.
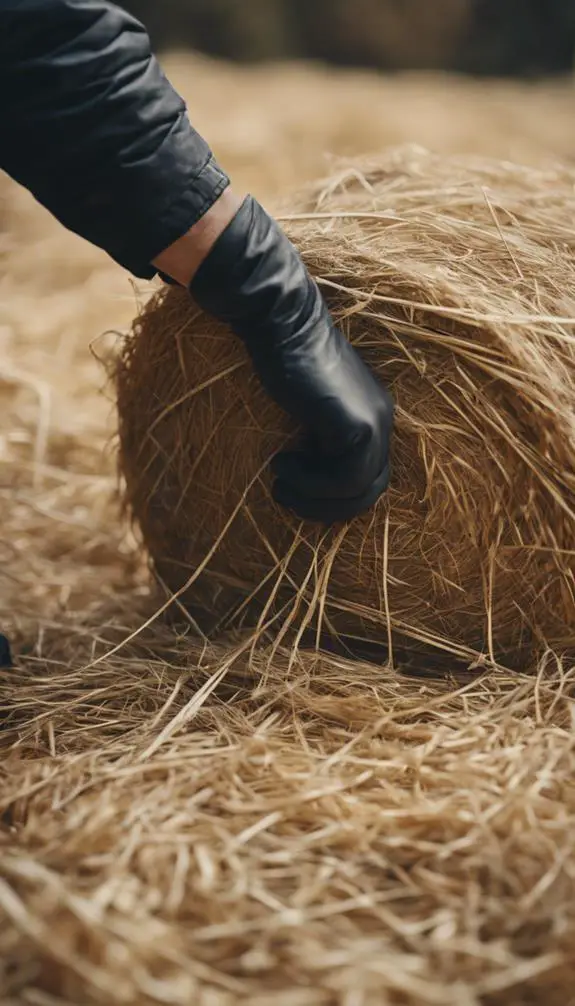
[[456, 281]]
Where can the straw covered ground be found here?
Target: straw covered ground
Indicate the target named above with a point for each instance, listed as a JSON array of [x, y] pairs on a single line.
[[186, 821]]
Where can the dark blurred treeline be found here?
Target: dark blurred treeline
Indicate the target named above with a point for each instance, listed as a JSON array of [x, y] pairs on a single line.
[[483, 37]]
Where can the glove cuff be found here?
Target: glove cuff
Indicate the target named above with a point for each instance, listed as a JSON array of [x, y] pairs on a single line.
[[254, 280]]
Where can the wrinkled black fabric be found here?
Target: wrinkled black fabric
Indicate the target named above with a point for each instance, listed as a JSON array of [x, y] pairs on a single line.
[[90, 125], [256, 282]]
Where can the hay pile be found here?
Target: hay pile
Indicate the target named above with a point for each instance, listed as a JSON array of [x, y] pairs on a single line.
[[178, 828], [456, 281], [182, 823]]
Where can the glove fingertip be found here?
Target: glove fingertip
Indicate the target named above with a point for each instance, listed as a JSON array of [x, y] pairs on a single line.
[[282, 495], [302, 507], [329, 511], [287, 466]]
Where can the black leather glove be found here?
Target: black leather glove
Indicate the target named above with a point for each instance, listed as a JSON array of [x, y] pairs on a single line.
[[254, 280]]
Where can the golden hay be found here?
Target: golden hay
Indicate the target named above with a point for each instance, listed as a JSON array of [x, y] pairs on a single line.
[[456, 281], [330, 836], [185, 824]]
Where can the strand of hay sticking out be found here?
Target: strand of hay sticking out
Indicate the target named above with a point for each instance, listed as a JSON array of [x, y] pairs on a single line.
[[456, 281]]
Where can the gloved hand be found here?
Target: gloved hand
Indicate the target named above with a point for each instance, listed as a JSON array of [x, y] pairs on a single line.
[[254, 280]]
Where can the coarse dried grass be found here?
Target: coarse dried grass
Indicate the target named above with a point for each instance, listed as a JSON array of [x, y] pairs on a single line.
[[179, 828], [188, 823], [455, 280]]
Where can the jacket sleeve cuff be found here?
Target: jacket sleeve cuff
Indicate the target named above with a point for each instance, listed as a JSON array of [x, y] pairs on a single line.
[[151, 237]]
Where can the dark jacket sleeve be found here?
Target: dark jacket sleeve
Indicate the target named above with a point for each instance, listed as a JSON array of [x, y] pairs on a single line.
[[90, 125]]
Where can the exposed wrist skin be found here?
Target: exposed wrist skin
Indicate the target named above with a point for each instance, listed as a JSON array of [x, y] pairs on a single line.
[[182, 259]]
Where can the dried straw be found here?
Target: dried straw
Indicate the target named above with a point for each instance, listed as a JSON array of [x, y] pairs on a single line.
[[455, 280], [187, 823], [319, 833]]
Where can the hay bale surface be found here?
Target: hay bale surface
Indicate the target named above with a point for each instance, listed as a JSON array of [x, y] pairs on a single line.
[[455, 279]]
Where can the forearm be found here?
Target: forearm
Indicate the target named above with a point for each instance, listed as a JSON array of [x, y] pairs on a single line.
[[92, 127]]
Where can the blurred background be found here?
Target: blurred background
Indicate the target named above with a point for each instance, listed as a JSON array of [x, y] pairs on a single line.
[[483, 37]]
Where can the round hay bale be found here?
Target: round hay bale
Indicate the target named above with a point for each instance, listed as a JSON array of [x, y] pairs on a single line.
[[456, 281]]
